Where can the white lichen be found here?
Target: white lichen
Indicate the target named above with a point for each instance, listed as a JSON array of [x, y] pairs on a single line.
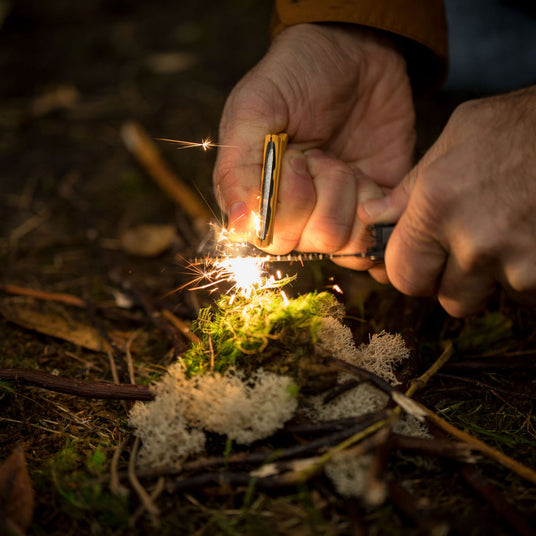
[[349, 473], [363, 399], [383, 354], [167, 438], [173, 425], [243, 410]]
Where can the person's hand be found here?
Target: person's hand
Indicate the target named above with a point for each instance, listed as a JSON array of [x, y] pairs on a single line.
[[343, 96], [467, 212]]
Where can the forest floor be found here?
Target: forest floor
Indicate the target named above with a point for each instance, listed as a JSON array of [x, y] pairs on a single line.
[[76, 277]]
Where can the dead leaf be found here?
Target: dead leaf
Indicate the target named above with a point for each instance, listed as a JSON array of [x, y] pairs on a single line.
[[171, 62], [16, 493], [148, 240], [60, 327], [56, 98]]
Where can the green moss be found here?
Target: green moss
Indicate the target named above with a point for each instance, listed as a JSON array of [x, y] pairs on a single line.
[[80, 490], [247, 332]]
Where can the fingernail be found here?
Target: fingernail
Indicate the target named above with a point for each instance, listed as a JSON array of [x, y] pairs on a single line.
[[376, 207], [237, 211], [298, 165]]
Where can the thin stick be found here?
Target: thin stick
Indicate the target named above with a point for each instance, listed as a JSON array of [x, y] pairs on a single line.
[[76, 387], [485, 385], [320, 462], [145, 498], [522, 470], [115, 485], [146, 152], [497, 500], [180, 325], [130, 365], [68, 299], [442, 448], [403, 401], [211, 352], [420, 382], [157, 491]]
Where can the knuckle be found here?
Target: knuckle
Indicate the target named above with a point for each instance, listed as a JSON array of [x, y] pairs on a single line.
[[327, 236]]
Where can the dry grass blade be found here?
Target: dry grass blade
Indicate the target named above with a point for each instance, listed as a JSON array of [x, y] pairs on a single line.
[[522, 470]]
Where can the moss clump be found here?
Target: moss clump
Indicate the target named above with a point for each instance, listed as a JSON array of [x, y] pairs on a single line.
[[257, 331]]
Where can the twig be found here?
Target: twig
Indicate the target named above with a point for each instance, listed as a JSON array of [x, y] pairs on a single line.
[[333, 425], [156, 316], [422, 517], [68, 299], [113, 367], [375, 491], [443, 448], [402, 401], [496, 499], [145, 498], [158, 489], [211, 353], [146, 152], [495, 363], [76, 387], [227, 479], [422, 380], [130, 365], [339, 390], [306, 449], [362, 374], [180, 325], [522, 470], [106, 336], [320, 462], [115, 485], [485, 385]]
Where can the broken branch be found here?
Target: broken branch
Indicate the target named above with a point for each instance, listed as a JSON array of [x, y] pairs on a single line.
[[75, 387]]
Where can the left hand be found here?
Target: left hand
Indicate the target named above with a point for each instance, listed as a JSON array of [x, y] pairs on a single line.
[[467, 212]]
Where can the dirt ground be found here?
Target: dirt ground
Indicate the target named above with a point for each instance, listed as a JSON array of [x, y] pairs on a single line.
[[73, 75]]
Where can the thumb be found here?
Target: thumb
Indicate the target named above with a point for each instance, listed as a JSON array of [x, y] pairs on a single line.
[[388, 209]]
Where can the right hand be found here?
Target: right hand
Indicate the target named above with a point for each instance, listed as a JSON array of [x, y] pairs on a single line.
[[338, 88]]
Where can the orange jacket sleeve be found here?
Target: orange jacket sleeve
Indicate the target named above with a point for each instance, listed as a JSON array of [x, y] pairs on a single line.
[[420, 23]]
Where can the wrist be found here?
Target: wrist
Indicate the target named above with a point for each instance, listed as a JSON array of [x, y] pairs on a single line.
[[347, 45]]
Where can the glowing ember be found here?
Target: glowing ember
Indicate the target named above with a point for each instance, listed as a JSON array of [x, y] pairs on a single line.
[[338, 289]]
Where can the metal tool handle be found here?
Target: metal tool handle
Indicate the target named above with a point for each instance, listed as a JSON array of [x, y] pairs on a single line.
[[381, 233]]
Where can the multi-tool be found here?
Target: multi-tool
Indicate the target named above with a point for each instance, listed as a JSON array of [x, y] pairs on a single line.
[[274, 148]]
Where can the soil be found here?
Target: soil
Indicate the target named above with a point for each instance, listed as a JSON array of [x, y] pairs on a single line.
[[74, 74]]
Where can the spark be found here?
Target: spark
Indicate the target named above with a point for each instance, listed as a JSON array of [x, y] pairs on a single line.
[[285, 299], [204, 144], [336, 288], [229, 267]]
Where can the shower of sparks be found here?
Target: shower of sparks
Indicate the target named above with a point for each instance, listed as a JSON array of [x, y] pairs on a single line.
[[205, 144], [243, 273]]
